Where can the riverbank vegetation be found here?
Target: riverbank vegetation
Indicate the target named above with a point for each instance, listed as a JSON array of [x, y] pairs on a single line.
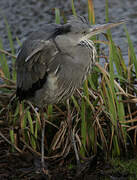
[[103, 113]]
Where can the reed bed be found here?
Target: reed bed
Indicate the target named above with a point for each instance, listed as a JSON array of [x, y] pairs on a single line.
[[103, 113]]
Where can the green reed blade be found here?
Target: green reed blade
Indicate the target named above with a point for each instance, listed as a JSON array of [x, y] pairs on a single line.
[[3, 62], [132, 51], [73, 8], [57, 16]]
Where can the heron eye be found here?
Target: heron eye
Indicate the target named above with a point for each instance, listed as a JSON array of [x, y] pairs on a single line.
[[84, 32]]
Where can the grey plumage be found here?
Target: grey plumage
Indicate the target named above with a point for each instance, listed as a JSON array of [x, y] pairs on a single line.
[[61, 63], [54, 61]]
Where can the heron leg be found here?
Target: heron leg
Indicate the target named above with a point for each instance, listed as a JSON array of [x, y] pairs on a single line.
[[42, 140], [43, 165], [75, 148], [72, 135]]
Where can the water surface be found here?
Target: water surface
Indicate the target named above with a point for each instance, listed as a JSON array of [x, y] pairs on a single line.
[[25, 16]]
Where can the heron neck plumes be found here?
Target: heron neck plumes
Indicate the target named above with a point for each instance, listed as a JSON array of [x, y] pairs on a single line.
[[91, 47]]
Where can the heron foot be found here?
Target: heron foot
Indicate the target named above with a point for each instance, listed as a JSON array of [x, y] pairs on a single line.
[[43, 170]]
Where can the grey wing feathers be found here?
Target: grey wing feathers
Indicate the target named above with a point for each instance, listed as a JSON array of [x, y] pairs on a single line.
[[32, 66]]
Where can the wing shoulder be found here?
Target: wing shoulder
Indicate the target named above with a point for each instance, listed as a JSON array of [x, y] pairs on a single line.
[[32, 66]]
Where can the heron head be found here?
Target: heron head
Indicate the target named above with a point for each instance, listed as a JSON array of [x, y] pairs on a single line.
[[79, 27]]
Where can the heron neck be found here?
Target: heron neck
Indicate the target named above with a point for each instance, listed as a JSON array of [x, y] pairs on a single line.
[[65, 43]]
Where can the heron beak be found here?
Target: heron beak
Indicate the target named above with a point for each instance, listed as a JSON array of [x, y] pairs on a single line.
[[96, 29]]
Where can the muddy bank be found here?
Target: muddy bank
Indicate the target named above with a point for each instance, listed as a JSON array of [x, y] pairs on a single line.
[[16, 166]]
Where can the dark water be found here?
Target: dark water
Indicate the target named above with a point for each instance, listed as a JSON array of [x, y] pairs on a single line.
[[25, 16]]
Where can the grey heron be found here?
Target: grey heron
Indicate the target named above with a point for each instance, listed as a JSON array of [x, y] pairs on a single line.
[[55, 60]]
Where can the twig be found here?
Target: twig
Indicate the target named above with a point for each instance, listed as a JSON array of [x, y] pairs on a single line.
[[48, 122], [7, 53], [34, 151], [102, 56], [7, 86], [14, 146], [118, 86]]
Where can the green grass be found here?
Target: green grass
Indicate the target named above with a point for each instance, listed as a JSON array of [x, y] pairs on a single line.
[[125, 167], [103, 111]]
